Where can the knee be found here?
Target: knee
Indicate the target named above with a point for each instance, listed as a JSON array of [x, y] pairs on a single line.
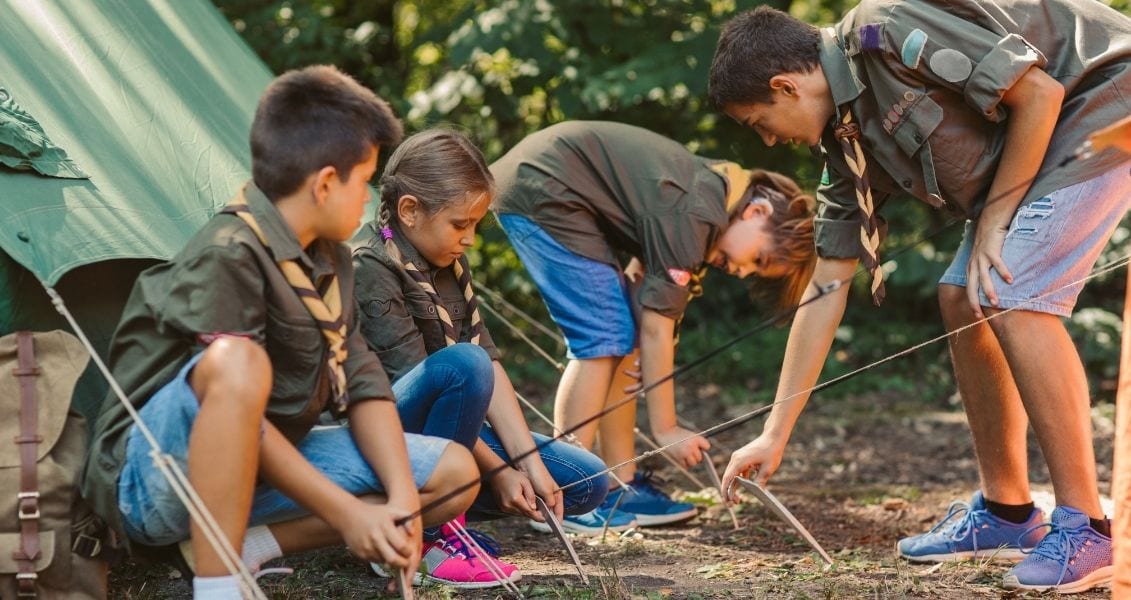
[[474, 367], [237, 369], [955, 307], [455, 470], [584, 489]]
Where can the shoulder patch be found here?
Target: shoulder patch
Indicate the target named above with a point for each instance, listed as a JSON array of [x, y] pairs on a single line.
[[680, 277], [912, 49], [871, 36], [951, 65]]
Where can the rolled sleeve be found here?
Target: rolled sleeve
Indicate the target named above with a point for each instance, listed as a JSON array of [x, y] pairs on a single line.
[[836, 228], [660, 294], [998, 70]]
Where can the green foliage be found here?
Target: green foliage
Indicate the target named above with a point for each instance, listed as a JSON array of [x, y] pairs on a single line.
[[499, 70]]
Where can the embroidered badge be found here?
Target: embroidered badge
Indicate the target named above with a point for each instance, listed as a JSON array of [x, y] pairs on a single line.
[[870, 36], [825, 179], [951, 65], [680, 277], [912, 49]]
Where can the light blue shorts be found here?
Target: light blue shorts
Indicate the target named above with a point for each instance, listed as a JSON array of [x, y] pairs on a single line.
[[153, 515], [1052, 244], [588, 300]]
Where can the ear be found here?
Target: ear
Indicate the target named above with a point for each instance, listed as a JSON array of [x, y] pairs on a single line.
[[756, 207], [406, 209], [784, 83], [323, 182]]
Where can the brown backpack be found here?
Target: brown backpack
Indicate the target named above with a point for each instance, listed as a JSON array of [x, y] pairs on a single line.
[[49, 540]]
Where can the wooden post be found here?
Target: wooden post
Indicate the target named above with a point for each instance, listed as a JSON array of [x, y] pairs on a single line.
[[1121, 468]]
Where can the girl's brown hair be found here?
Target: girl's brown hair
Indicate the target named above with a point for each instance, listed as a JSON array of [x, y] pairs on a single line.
[[439, 167], [791, 225]]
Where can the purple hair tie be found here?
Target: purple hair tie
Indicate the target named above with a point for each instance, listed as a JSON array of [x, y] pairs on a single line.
[[387, 233]]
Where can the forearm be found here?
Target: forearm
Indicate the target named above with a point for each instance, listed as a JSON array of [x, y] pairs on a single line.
[[485, 457], [506, 419], [810, 339], [657, 360], [1034, 103], [378, 434], [287, 470]]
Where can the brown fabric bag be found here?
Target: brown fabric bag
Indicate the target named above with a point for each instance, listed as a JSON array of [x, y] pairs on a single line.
[[50, 542]]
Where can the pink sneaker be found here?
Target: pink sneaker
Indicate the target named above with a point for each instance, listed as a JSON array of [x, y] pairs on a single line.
[[448, 561]]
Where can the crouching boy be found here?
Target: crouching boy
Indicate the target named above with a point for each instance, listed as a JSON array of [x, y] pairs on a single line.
[[232, 349]]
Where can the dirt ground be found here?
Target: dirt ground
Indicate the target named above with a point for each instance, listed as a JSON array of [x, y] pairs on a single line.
[[859, 474]]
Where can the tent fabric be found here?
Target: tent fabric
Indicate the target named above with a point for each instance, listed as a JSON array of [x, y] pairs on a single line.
[[152, 98], [24, 145]]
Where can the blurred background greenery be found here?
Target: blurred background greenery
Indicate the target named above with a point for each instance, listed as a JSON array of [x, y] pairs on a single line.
[[500, 70]]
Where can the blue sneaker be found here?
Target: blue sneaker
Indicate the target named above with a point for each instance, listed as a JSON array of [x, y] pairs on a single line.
[[1072, 558], [970, 531], [592, 522], [650, 505]]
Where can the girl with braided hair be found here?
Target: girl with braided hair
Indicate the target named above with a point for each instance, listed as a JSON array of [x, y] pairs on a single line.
[[419, 314]]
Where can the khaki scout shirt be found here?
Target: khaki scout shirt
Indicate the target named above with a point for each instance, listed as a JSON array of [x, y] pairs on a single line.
[[399, 320], [599, 188], [925, 82], [225, 281]]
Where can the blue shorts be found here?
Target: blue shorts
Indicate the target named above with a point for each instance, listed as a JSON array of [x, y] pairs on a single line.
[[588, 300], [1052, 244], [153, 515]]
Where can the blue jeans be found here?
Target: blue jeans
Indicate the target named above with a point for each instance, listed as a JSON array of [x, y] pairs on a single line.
[[447, 395], [153, 515]]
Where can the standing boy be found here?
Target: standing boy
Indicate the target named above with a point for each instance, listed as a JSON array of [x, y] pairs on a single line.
[[232, 349], [974, 106]]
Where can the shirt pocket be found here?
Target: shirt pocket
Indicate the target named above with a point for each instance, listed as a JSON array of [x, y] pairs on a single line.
[[296, 347]]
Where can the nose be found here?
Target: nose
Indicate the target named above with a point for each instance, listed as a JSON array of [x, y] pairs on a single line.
[[769, 139]]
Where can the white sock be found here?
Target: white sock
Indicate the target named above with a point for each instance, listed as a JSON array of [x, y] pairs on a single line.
[[259, 546], [216, 588]]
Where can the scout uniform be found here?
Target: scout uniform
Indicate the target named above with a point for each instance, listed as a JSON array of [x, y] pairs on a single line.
[[603, 188], [409, 328], [225, 282], [924, 84]]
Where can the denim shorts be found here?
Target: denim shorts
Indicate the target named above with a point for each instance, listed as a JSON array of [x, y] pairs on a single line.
[[152, 513], [588, 300], [1052, 244]]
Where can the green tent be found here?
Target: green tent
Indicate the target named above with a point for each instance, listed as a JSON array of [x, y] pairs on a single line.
[[123, 126]]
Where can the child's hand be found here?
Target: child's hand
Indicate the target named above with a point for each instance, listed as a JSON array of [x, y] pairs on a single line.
[[515, 494], [985, 256], [687, 454], [760, 457], [371, 532], [545, 486]]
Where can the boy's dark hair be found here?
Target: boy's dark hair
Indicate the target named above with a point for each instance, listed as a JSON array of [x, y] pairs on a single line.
[[754, 47], [311, 118], [439, 167]]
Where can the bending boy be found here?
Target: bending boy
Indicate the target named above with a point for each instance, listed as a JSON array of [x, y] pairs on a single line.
[[977, 108], [574, 199], [232, 349]]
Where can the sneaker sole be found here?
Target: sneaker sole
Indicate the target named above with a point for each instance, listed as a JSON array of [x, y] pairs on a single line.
[[472, 585], [573, 528], [1098, 578], [997, 554], [668, 519]]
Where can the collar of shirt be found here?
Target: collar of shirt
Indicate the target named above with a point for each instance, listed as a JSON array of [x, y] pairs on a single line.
[[843, 83], [317, 260]]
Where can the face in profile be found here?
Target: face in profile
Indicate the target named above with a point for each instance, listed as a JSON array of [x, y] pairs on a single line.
[[443, 237], [346, 199], [747, 246]]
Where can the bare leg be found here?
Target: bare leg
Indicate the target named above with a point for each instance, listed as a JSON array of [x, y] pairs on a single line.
[[232, 381], [581, 394], [1054, 389], [993, 405], [615, 432]]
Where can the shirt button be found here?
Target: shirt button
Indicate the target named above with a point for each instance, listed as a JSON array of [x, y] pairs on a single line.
[[431, 310], [918, 138], [907, 183]]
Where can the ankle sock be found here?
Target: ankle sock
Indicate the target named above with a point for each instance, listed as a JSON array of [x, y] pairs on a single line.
[[1103, 526], [1014, 513], [216, 588], [259, 546]]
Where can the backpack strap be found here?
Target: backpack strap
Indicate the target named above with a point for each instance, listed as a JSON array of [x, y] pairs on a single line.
[[28, 498]]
